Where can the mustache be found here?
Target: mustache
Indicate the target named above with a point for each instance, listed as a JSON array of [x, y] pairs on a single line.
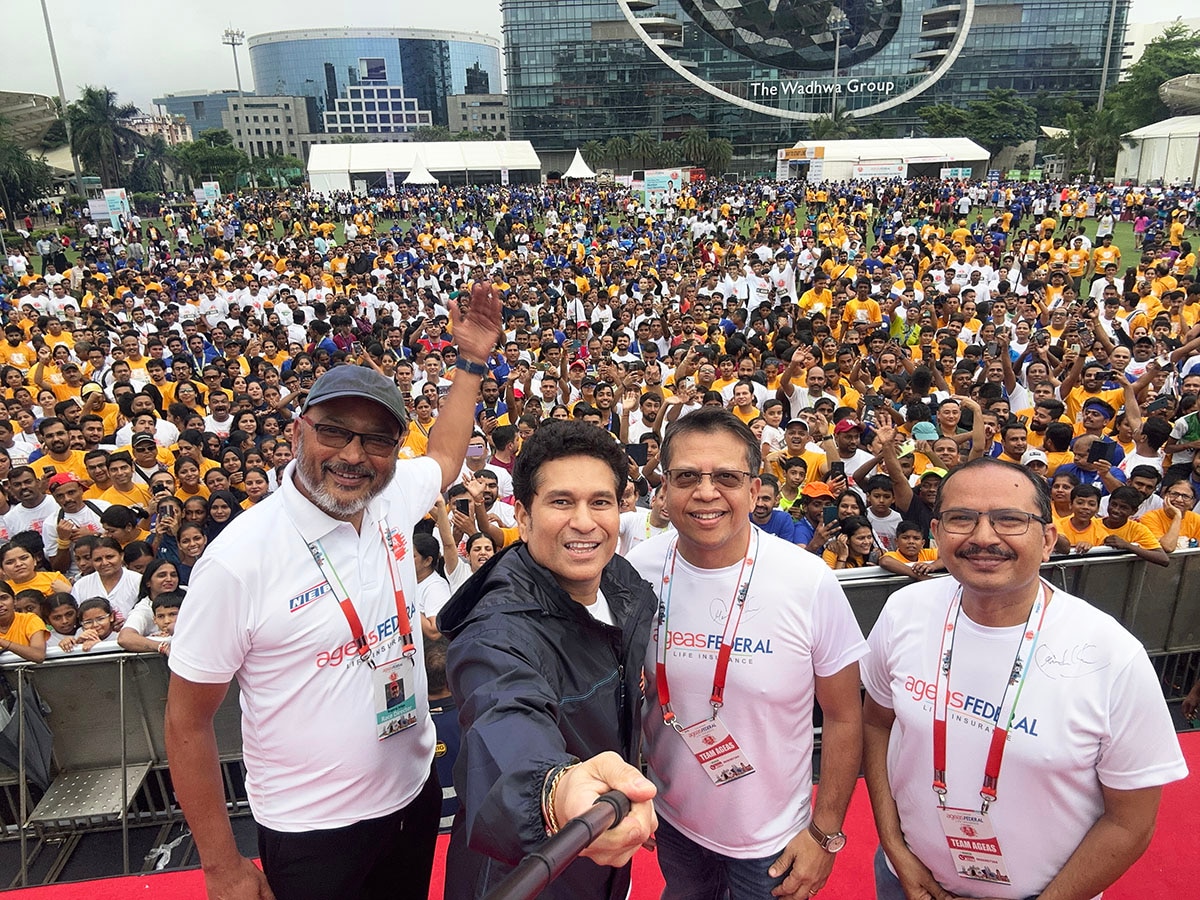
[[994, 552]]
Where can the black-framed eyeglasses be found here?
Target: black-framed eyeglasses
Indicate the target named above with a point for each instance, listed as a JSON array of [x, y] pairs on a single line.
[[1008, 522], [723, 479], [335, 438]]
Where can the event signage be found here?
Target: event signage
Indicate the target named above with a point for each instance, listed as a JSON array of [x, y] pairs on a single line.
[[116, 201]]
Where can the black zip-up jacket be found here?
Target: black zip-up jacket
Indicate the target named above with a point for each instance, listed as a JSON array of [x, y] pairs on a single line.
[[537, 681]]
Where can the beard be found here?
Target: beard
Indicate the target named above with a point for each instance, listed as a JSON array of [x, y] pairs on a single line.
[[311, 476]]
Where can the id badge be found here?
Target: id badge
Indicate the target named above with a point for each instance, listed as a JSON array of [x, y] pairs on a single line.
[[716, 751], [973, 846], [395, 688]]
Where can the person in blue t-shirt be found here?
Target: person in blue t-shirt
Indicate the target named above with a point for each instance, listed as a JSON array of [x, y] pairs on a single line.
[[444, 713], [765, 514]]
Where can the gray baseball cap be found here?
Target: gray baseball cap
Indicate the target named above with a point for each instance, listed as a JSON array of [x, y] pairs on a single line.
[[357, 381]]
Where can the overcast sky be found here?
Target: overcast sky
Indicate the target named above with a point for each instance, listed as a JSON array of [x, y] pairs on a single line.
[[143, 50]]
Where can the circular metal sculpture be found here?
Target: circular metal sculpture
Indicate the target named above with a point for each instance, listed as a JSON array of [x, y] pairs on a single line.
[[799, 35]]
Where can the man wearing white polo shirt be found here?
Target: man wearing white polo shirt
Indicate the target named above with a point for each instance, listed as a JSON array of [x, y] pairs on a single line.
[[308, 599]]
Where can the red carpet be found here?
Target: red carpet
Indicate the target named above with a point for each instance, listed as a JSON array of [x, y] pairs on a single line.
[[1164, 873]]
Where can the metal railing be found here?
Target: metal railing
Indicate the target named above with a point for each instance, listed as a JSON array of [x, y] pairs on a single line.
[[109, 761]]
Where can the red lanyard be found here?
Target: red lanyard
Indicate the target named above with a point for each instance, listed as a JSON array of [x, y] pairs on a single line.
[[1008, 703], [391, 543], [717, 698]]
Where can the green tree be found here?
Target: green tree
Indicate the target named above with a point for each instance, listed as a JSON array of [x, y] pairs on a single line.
[[276, 170], [1174, 52], [593, 153], [838, 126], [216, 137], [1002, 119], [201, 161], [432, 133], [101, 134], [23, 179], [667, 153], [642, 146], [616, 149], [718, 155], [693, 144], [467, 135]]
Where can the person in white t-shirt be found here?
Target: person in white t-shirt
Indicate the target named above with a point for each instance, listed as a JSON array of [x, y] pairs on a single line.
[[309, 599], [1089, 739], [641, 524], [744, 817]]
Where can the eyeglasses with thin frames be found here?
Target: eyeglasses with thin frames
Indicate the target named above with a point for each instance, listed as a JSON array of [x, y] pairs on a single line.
[[1007, 522], [722, 479], [335, 438]]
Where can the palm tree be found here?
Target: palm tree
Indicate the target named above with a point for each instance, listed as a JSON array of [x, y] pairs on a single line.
[[642, 146], [615, 150], [694, 144], [834, 127], [593, 153], [667, 153], [1105, 137], [100, 134], [718, 154]]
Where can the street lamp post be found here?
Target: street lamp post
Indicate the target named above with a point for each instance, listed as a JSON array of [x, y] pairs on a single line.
[[235, 37], [838, 23], [62, 100]]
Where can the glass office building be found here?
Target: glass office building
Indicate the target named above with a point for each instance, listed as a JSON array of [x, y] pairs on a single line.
[[757, 72], [323, 63]]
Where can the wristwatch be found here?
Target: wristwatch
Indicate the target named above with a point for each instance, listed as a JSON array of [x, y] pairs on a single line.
[[830, 843]]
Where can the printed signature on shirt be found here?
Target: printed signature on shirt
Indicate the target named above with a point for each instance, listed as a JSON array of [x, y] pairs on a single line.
[[1077, 662]]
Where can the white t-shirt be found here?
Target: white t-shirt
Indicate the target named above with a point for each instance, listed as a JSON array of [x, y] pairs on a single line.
[[21, 518], [635, 528], [885, 528], [123, 596], [432, 595], [269, 618], [1090, 713], [797, 622]]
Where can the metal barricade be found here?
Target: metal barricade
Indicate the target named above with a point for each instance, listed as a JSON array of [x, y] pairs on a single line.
[[107, 716], [1160, 606]]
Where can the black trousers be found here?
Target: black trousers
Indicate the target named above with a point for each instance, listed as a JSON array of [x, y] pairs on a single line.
[[388, 858]]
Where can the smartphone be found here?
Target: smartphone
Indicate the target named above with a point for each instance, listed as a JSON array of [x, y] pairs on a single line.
[[1102, 450], [639, 453], [1160, 403], [829, 514], [164, 510], [837, 470], [1164, 361], [992, 348], [49, 471], [463, 506], [1024, 420]]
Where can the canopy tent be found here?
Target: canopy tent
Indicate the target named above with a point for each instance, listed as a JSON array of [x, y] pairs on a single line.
[[335, 167], [420, 174], [1168, 151], [880, 158], [578, 168]]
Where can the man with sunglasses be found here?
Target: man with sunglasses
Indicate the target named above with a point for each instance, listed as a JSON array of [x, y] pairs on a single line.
[[1016, 738], [309, 602], [750, 630]]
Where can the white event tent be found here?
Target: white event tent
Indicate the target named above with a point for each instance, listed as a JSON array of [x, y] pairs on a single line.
[[578, 168], [336, 167]]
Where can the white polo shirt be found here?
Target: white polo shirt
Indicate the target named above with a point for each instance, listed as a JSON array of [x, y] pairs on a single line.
[[259, 609]]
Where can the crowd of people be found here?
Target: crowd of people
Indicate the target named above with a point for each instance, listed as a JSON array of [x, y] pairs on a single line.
[[868, 340]]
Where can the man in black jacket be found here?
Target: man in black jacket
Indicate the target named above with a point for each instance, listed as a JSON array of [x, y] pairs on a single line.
[[546, 649]]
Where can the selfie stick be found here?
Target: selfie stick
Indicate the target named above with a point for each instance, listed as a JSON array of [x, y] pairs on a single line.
[[541, 867]]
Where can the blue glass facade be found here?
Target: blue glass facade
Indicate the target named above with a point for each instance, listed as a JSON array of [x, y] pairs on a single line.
[[202, 111], [577, 71], [323, 63]]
